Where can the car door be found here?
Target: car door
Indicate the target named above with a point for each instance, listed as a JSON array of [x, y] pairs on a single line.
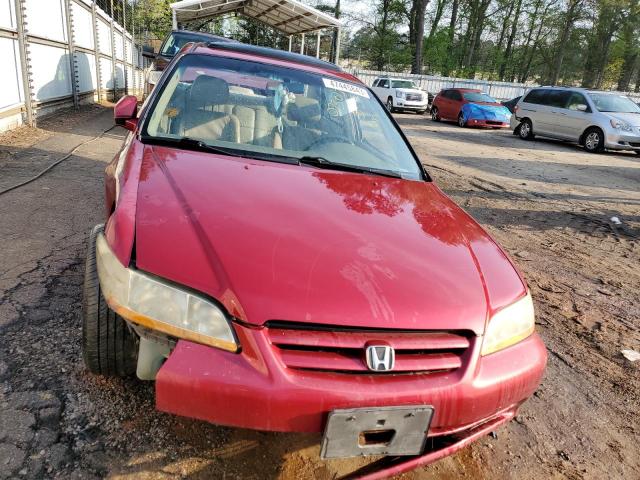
[[376, 87], [384, 91], [455, 105], [532, 107], [553, 115], [577, 117], [444, 104]]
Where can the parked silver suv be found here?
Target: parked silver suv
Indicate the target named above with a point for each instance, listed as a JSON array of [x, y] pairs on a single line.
[[596, 120]]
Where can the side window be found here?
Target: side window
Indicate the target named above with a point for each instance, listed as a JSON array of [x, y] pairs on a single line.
[[384, 83], [375, 82], [536, 97], [446, 94], [577, 102], [557, 98], [455, 95]]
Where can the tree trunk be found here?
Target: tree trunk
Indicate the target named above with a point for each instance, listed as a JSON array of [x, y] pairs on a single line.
[[452, 35], [334, 41], [419, 7], [436, 20], [567, 27], [503, 31], [629, 38], [512, 36], [536, 43]]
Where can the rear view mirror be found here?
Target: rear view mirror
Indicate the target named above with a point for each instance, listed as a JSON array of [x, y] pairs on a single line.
[[126, 111], [582, 108]]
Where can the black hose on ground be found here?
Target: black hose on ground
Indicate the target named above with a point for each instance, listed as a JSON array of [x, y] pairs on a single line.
[[54, 164]]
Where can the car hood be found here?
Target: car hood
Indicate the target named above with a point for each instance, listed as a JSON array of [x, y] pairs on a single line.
[[273, 241], [411, 90], [632, 119]]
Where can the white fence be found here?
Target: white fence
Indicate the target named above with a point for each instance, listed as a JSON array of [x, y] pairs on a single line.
[[60, 53], [433, 84]]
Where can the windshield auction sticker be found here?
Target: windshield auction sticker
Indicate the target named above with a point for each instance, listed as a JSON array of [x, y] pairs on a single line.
[[345, 87]]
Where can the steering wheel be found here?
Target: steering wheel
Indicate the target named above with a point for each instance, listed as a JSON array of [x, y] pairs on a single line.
[[328, 139]]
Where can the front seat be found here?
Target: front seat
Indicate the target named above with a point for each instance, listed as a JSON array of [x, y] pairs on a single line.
[[206, 117]]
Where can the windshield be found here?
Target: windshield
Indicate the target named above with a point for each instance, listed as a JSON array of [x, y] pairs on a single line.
[[278, 114], [403, 84], [175, 42], [478, 97], [606, 102]]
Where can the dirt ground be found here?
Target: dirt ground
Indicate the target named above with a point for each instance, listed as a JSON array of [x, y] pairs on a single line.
[[549, 204]]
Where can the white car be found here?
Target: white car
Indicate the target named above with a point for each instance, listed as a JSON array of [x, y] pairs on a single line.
[[400, 94]]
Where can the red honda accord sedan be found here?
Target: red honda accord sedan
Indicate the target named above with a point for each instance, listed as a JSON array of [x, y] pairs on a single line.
[[275, 257]]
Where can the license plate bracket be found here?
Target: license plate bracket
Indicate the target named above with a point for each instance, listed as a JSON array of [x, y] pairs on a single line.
[[376, 431]]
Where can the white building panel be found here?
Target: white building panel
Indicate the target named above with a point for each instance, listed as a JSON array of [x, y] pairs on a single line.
[[119, 45], [82, 26], [119, 75], [106, 78], [104, 37], [129, 47], [47, 19], [8, 14], [11, 91], [51, 71], [86, 65]]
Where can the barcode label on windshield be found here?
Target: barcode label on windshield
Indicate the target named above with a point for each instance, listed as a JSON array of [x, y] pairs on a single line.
[[345, 87]]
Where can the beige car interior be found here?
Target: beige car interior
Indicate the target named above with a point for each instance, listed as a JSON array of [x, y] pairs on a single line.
[[211, 109]]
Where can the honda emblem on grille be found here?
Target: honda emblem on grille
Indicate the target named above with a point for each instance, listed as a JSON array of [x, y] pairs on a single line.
[[380, 358]]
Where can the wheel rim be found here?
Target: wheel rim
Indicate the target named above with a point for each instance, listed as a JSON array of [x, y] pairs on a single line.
[[434, 113], [389, 104], [524, 130], [592, 141], [461, 121]]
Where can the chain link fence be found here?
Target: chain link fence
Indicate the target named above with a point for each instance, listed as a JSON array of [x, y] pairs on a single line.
[[62, 53]]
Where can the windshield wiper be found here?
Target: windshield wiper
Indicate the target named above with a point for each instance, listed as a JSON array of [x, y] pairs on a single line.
[[189, 144], [321, 162]]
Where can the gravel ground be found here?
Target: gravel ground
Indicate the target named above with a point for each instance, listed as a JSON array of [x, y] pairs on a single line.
[[549, 204]]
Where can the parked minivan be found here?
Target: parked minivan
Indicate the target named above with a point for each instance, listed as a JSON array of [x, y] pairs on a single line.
[[596, 120]]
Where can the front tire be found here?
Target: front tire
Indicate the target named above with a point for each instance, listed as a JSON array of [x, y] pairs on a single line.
[[390, 104], [525, 130], [108, 346], [593, 140], [435, 115]]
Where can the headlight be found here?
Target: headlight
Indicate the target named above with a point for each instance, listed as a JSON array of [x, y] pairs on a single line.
[[147, 301], [399, 94], [509, 326], [620, 125]]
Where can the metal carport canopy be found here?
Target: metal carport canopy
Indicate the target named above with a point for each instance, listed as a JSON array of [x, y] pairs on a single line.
[[288, 16]]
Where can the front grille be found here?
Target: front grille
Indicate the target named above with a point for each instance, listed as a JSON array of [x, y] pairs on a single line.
[[339, 349], [634, 144], [414, 97]]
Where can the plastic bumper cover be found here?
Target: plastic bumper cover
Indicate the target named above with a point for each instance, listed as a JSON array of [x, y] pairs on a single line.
[[255, 390]]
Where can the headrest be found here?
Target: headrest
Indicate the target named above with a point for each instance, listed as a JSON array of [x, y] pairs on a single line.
[[304, 110], [207, 91]]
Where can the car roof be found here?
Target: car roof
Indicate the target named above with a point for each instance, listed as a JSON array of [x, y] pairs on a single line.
[[203, 36], [274, 54]]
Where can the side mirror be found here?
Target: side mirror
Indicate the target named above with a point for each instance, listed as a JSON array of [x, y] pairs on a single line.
[[582, 108], [147, 51], [126, 111]]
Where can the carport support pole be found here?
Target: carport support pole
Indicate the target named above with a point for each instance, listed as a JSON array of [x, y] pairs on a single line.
[[97, 51], [174, 19], [302, 45], [318, 44], [290, 42], [337, 46]]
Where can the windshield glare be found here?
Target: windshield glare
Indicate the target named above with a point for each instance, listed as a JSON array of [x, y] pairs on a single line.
[[478, 97], [403, 84], [277, 113], [606, 102]]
